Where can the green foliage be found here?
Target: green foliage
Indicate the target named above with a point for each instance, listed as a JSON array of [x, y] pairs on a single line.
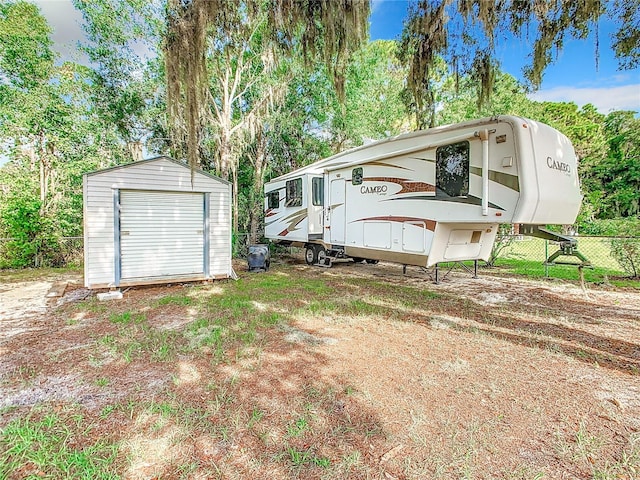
[[374, 107], [26, 58], [458, 95], [47, 447], [60, 120], [504, 240], [52, 134], [125, 86], [466, 35], [618, 173], [626, 251], [22, 223], [611, 228]]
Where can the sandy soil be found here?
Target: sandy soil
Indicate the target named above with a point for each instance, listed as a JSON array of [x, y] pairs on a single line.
[[487, 378]]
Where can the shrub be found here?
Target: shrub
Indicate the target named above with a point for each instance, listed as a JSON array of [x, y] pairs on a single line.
[[626, 251], [629, 226], [504, 239]]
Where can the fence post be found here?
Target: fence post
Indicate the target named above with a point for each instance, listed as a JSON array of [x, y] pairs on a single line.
[[546, 255]]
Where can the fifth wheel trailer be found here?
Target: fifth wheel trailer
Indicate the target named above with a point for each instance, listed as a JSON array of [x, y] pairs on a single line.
[[429, 196]]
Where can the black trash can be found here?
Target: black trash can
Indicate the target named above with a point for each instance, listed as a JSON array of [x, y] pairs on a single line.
[[259, 258]]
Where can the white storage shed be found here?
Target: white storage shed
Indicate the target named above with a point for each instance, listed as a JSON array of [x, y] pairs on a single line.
[[147, 222]]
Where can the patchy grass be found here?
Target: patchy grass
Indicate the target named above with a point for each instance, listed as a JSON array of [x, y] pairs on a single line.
[[37, 274], [127, 317], [182, 300], [55, 444], [206, 381]]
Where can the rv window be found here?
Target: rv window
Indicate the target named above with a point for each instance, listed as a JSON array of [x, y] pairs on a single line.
[[273, 199], [452, 169], [317, 189], [356, 176], [294, 193]]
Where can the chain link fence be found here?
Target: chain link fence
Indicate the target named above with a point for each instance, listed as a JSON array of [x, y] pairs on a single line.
[[51, 252], [608, 257]]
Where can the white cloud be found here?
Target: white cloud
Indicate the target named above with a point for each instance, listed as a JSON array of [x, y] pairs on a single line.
[[375, 4], [605, 99], [65, 22]]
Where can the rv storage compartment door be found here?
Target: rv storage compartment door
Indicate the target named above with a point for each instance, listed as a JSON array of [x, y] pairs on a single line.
[[377, 234], [462, 241], [463, 244], [413, 236]]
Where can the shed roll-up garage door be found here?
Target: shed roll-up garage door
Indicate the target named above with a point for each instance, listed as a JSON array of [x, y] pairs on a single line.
[[161, 234]]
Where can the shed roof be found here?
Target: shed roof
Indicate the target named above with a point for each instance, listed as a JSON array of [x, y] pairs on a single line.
[[155, 159]]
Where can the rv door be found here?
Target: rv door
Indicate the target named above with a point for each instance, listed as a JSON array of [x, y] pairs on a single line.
[[338, 211], [316, 206]]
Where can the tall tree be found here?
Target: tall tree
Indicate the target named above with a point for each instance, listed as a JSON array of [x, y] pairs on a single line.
[[127, 75], [465, 34], [26, 61], [373, 106], [246, 83], [333, 29], [619, 172], [51, 133], [457, 99]]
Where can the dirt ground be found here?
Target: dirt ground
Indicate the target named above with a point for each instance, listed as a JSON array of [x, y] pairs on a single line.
[[488, 378]]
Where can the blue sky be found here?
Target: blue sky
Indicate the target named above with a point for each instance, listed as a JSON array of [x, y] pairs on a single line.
[[571, 78]]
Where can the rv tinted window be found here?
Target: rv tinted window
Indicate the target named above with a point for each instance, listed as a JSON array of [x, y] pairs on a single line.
[[317, 187], [294, 193], [452, 169], [273, 199], [356, 176]]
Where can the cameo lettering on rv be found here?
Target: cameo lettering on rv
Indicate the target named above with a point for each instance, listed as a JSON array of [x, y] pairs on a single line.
[[378, 189], [556, 165]]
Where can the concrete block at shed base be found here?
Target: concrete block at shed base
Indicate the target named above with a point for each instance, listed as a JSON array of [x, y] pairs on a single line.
[[115, 295]]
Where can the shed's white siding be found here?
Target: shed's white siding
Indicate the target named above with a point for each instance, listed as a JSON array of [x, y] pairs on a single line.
[[156, 175]]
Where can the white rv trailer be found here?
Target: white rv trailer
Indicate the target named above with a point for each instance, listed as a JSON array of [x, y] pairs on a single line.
[[429, 196]]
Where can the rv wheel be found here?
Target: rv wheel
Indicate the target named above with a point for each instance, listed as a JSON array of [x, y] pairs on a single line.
[[311, 255], [358, 259], [371, 261]]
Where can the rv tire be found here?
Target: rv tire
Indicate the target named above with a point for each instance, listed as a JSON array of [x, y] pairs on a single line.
[[311, 255], [358, 259], [371, 261]]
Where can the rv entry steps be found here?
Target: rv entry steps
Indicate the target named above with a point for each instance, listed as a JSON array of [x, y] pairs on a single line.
[[325, 262]]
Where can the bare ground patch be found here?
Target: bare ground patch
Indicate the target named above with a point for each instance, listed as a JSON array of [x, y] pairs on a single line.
[[356, 371]]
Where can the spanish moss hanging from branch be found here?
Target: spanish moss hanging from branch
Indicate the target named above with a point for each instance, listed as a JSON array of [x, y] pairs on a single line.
[[185, 60], [330, 30], [465, 33]]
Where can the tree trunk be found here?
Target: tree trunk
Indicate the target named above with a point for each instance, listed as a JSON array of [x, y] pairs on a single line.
[[135, 150], [234, 176], [256, 209], [44, 174]]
